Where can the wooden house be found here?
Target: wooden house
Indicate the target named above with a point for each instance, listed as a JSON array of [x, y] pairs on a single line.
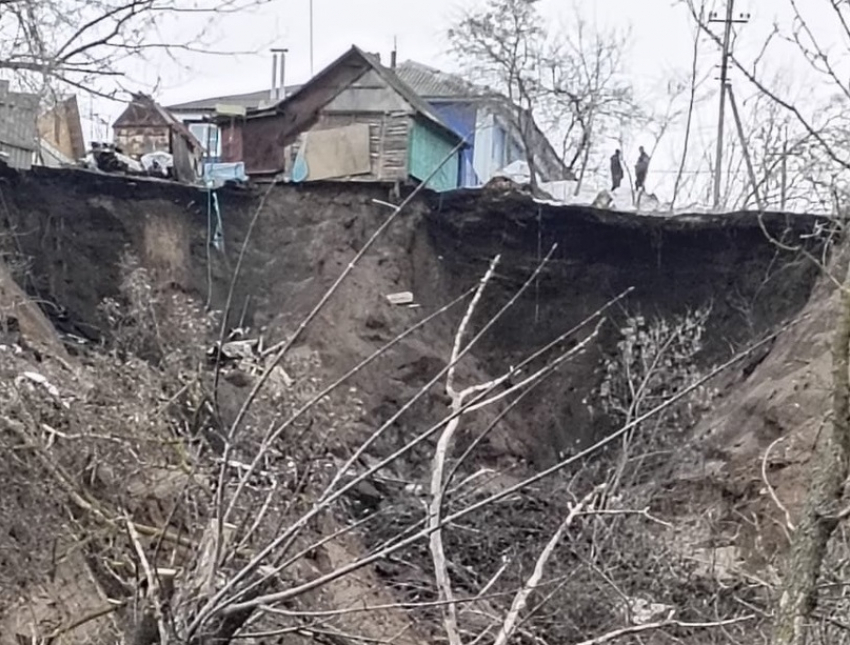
[[18, 134], [146, 127], [356, 121]]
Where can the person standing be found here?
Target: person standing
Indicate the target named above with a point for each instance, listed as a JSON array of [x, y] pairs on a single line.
[[641, 168], [616, 170]]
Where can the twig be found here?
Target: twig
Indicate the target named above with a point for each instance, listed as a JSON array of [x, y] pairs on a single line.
[[464, 323], [521, 599], [152, 579], [86, 618], [788, 523], [637, 629], [643, 513]]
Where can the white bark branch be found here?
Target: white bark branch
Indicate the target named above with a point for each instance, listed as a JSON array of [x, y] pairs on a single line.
[[789, 525], [521, 599], [438, 554]]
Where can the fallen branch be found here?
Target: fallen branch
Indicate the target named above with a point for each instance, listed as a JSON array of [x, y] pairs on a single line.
[[521, 599], [86, 618]]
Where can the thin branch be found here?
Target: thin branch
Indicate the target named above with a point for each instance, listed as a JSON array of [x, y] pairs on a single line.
[[521, 599], [639, 629], [152, 580], [788, 523]]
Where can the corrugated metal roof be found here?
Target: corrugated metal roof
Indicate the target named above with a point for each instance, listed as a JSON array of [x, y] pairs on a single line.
[[247, 100], [432, 83]]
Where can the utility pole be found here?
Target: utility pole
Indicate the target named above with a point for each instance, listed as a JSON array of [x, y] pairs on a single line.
[[728, 21], [745, 149]]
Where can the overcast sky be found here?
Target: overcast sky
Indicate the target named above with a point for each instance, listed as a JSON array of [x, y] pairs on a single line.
[[659, 30], [661, 47]]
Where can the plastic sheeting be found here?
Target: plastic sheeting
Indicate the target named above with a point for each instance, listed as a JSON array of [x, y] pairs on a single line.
[[216, 174]]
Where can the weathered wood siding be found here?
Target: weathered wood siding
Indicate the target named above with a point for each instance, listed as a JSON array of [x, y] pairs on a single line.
[[429, 151], [140, 140], [18, 126], [259, 144], [231, 141], [369, 93], [388, 140]]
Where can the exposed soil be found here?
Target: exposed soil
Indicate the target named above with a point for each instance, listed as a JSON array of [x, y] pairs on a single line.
[[68, 230], [73, 228]]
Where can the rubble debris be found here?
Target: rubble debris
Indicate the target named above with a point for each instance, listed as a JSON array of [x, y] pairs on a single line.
[[38, 379], [400, 298], [643, 612], [108, 157], [158, 163], [240, 358], [234, 350]]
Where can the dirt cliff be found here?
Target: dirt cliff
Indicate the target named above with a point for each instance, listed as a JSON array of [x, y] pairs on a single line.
[[69, 233]]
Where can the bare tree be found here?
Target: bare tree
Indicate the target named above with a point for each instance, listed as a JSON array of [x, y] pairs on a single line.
[[570, 80], [505, 45], [49, 43], [587, 91]]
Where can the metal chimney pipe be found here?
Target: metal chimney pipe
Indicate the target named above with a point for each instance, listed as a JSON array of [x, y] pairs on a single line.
[[281, 90], [273, 91], [282, 86]]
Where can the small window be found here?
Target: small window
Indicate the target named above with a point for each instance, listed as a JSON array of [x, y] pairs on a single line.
[[209, 137]]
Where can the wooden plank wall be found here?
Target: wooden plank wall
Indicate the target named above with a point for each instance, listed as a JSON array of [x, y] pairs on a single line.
[[388, 142], [137, 141]]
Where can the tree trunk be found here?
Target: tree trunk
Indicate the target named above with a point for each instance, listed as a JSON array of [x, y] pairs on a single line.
[[830, 466]]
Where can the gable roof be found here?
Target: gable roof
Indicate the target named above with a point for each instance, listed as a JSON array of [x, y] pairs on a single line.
[[143, 111], [356, 56]]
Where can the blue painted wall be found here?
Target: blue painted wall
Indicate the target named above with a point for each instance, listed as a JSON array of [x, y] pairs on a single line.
[[460, 117], [429, 148]]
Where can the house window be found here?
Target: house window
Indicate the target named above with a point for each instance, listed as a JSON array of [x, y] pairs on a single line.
[[209, 136]]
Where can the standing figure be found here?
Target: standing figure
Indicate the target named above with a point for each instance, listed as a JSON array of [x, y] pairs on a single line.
[[641, 168], [616, 170]]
